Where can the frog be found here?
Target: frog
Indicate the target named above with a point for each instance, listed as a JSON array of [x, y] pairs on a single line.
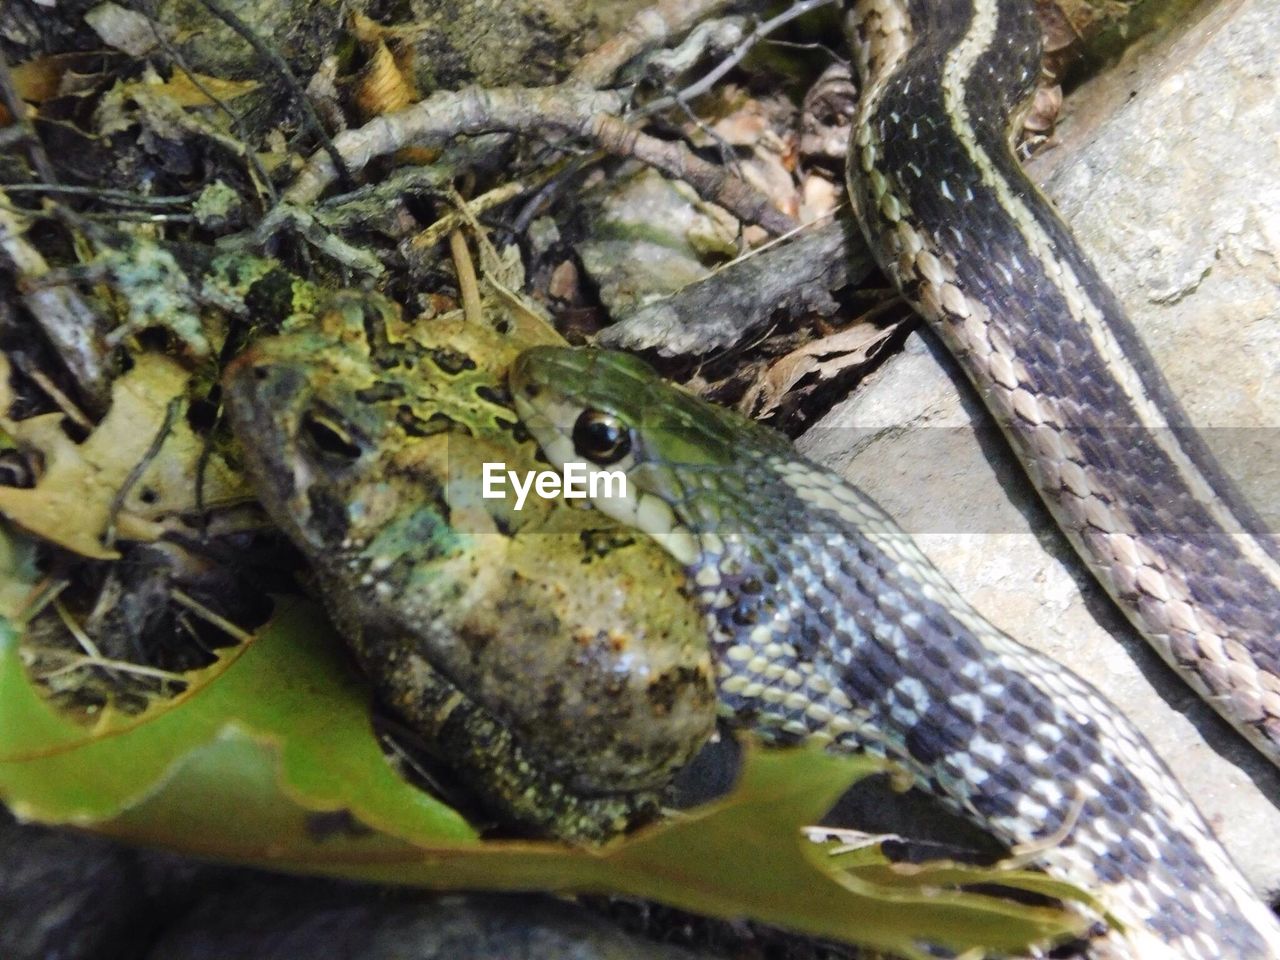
[[552, 656]]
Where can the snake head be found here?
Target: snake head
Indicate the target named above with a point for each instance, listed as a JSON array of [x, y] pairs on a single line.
[[614, 411]]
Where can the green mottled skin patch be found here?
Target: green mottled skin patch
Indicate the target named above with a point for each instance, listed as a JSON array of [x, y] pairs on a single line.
[[551, 655]]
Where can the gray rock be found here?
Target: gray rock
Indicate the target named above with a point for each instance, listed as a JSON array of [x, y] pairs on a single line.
[[1175, 192], [638, 246], [69, 896], [270, 920]]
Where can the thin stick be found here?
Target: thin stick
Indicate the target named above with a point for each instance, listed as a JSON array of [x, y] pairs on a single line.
[[299, 95], [118, 666], [60, 399], [648, 28], [204, 613], [466, 271], [76, 630], [564, 108], [716, 74]]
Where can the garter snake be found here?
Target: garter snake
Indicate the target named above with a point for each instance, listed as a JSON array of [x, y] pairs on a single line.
[[827, 621]]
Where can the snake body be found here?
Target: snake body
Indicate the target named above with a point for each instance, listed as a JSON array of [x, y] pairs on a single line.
[[976, 249], [829, 624]]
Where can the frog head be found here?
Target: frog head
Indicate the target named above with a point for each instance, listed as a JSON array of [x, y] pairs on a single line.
[[366, 440]]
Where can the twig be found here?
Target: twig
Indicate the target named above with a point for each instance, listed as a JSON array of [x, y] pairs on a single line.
[[40, 596], [710, 36], [410, 180], [648, 28], [131, 480], [299, 94], [105, 194], [71, 326], [716, 74], [727, 155], [471, 111], [564, 108], [204, 613], [17, 108], [549, 191], [315, 231], [258, 172], [139, 216], [429, 237], [466, 271], [793, 279], [710, 181], [60, 399], [77, 631], [491, 265], [117, 666]]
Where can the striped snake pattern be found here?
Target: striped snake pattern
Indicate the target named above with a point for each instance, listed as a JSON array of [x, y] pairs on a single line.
[[826, 620], [1050, 349], [828, 624]]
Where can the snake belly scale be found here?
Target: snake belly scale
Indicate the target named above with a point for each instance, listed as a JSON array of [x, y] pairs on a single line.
[[827, 621]]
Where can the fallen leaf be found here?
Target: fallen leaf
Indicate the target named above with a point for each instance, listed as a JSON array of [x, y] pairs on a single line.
[[195, 90], [268, 758], [72, 502], [825, 357]]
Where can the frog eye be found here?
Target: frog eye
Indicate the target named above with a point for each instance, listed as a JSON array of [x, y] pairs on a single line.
[[601, 437], [328, 436]]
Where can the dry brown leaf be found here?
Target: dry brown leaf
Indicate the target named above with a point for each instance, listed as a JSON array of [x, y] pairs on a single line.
[[383, 86], [368, 30], [386, 85], [826, 357], [39, 80], [71, 503], [187, 90]]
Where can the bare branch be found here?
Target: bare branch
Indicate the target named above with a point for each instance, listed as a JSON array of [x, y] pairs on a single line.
[[711, 182], [74, 330], [564, 108], [783, 281], [646, 30], [716, 74]]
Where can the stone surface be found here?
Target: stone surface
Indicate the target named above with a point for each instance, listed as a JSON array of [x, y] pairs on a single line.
[[639, 245], [1169, 171], [269, 919], [68, 896]]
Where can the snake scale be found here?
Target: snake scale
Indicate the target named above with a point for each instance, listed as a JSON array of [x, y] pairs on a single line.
[[827, 621]]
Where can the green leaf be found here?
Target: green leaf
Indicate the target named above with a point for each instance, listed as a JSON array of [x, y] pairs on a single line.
[[295, 709], [269, 759]]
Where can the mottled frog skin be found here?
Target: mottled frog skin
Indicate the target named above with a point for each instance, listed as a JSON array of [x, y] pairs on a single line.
[[552, 655]]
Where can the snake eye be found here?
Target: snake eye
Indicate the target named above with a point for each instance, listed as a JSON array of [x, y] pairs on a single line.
[[601, 437]]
